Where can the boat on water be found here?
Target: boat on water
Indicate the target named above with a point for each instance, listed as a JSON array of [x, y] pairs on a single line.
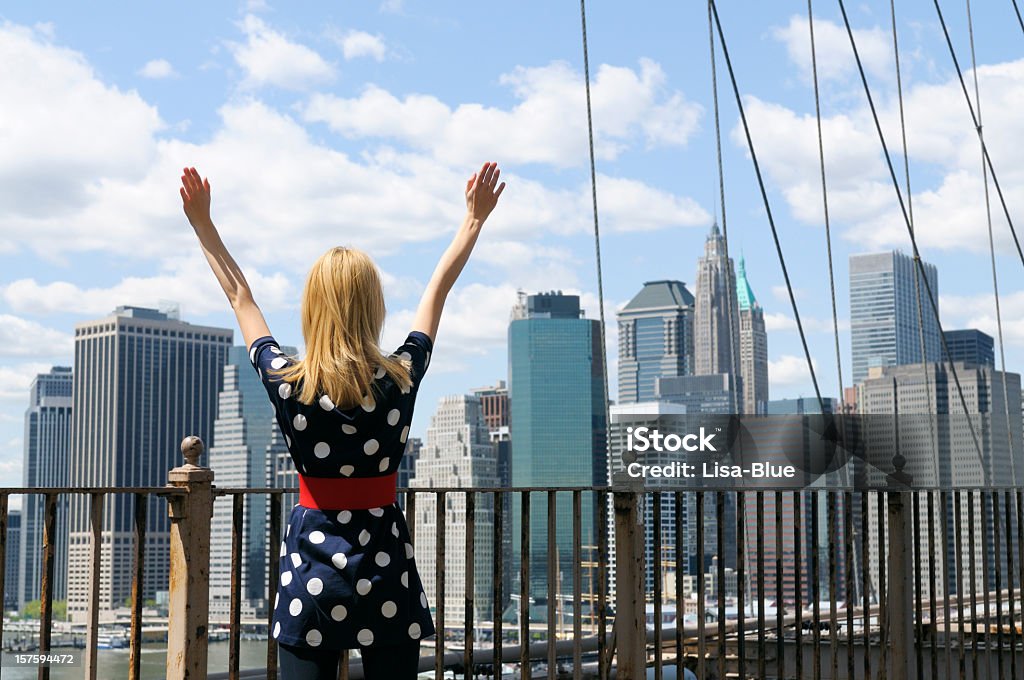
[[108, 639]]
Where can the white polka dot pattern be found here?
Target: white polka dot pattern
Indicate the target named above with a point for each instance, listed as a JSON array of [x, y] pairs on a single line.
[[278, 362], [335, 561]]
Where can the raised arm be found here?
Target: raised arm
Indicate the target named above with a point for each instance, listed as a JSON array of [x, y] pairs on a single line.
[[481, 197], [195, 196]]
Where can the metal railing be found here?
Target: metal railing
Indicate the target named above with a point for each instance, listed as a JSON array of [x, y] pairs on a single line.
[[820, 583]]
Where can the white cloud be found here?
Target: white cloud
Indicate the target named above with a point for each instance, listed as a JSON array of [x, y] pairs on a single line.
[[948, 202], [355, 44], [545, 126], [834, 54], [15, 380], [188, 280], [979, 311], [783, 321], [157, 69], [392, 6], [51, 168], [25, 338], [789, 370], [268, 57]]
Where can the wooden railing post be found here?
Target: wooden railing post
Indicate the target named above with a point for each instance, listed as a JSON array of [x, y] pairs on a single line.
[[189, 597], [630, 605], [900, 564]]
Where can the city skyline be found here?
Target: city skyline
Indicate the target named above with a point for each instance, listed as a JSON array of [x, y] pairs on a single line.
[[341, 101]]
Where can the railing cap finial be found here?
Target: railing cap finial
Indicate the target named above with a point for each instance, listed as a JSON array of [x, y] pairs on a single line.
[[192, 448]]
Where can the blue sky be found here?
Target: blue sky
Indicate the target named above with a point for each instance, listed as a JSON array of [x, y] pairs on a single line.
[[358, 123]]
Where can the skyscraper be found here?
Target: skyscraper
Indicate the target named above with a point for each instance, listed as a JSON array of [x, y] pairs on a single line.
[[946, 451], [239, 458], [47, 455], [753, 347], [971, 346], [716, 342], [457, 453], [884, 312], [143, 380], [559, 434], [11, 559], [655, 339]]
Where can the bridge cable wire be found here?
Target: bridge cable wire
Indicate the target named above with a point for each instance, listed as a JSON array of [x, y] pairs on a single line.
[[767, 205], [977, 128], [910, 229], [991, 244], [1020, 20], [597, 251]]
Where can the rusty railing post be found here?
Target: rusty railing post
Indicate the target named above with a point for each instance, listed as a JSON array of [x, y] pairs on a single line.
[[189, 597], [630, 605], [900, 562]]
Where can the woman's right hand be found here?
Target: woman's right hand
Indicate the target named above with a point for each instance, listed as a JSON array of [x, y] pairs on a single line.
[[481, 194]]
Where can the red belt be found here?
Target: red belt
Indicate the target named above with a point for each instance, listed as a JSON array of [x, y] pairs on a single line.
[[347, 493]]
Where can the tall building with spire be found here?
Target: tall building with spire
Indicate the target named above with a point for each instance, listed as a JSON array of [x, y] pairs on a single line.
[[655, 339], [716, 340], [753, 346]]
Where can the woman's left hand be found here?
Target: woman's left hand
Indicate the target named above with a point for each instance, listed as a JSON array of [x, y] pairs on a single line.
[[195, 196]]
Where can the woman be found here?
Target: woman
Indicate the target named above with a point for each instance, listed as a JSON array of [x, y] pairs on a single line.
[[347, 574]]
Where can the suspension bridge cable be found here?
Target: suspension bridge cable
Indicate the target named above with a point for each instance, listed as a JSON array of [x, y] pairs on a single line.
[[991, 239], [918, 266], [824, 198], [910, 229], [767, 205], [977, 128], [734, 364], [603, 661], [1020, 20]]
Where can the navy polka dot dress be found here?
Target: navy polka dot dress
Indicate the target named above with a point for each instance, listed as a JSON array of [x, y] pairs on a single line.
[[347, 579]]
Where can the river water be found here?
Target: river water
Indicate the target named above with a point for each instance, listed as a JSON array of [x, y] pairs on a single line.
[[113, 663]]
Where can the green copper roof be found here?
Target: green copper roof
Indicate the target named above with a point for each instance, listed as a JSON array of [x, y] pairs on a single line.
[[743, 290], [659, 295]]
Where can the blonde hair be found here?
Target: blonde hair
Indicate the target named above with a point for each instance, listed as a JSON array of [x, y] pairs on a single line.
[[342, 318]]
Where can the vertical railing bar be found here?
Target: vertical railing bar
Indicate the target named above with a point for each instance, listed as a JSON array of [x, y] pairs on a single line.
[[553, 582], [741, 580], [932, 594], [720, 553], [780, 630], [831, 498], [1010, 615], [959, 566], [656, 547], [972, 564], [946, 615], [761, 651], [524, 587], [1019, 497], [814, 553], [499, 579], [410, 521], [467, 655], [985, 585], [603, 665], [865, 572], [798, 587], [4, 501], [237, 506], [996, 540], [577, 581], [702, 651], [343, 660], [273, 574], [677, 553], [93, 609], [918, 602], [138, 585], [46, 596], [883, 585], [440, 521], [851, 596]]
